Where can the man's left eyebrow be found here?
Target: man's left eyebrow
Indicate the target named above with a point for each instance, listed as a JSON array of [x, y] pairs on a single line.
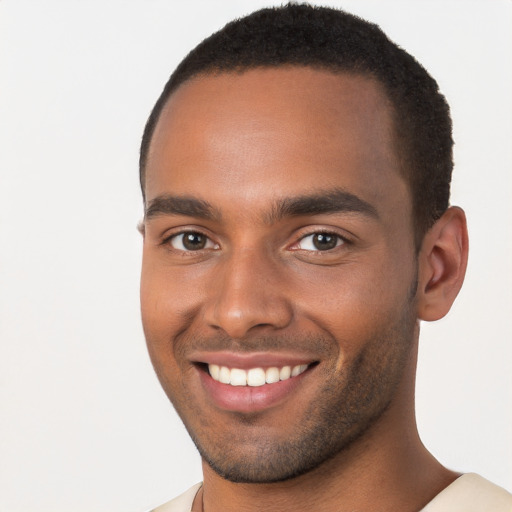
[[332, 201]]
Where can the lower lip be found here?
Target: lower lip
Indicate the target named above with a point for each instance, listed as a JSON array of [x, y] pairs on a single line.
[[249, 398]]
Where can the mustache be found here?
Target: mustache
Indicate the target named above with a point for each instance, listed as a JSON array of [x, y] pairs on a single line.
[[318, 344]]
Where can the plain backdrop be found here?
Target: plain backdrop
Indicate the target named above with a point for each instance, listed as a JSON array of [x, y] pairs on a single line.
[[84, 425]]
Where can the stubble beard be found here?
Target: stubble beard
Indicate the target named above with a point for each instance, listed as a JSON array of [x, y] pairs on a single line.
[[350, 405]]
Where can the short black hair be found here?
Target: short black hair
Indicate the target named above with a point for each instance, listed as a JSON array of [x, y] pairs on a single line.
[[334, 40]]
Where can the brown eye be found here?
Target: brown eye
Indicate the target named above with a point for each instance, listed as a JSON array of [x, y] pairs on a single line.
[[191, 241], [320, 242], [325, 241], [194, 241]]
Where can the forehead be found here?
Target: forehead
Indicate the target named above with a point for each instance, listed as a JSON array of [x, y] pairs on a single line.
[[283, 131]]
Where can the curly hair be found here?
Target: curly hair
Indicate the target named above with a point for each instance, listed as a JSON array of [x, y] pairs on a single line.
[[334, 40]]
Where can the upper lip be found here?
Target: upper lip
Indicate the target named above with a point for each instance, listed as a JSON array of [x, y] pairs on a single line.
[[245, 361]]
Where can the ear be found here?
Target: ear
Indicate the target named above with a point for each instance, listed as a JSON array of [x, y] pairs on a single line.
[[141, 228], [442, 264]]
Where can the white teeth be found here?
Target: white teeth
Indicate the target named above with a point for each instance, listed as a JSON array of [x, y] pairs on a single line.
[[255, 376], [297, 370], [238, 377], [272, 375], [224, 375], [214, 371], [285, 372]]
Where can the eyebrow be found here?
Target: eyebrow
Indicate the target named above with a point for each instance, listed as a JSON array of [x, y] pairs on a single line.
[[180, 205], [332, 201]]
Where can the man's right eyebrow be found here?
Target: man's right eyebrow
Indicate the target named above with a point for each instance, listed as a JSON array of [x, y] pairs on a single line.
[[180, 205]]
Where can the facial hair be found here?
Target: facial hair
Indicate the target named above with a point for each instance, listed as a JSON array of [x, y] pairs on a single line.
[[351, 401]]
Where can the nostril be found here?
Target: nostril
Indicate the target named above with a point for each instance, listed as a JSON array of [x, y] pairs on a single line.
[[237, 309]]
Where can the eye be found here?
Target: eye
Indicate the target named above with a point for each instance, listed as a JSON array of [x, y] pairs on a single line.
[[319, 242], [191, 241]]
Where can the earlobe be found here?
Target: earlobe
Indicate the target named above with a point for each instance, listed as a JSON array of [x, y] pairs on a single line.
[[442, 264]]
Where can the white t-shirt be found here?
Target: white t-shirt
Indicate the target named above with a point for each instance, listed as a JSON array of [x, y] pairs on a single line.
[[469, 493]]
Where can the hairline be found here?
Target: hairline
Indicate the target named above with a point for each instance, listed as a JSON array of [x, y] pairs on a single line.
[[399, 152], [393, 110]]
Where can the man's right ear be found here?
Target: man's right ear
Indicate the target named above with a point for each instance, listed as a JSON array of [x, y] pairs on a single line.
[[442, 264], [141, 228]]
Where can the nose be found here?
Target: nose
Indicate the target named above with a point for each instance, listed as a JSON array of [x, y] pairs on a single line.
[[248, 292]]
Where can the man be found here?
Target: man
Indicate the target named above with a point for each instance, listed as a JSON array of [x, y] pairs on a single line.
[[296, 174]]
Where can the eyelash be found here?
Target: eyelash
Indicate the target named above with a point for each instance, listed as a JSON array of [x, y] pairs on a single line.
[[340, 241], [168, 241]]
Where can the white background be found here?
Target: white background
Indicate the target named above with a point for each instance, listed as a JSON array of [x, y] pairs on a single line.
[[84, 425]]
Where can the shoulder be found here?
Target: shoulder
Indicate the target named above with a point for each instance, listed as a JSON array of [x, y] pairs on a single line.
[[182, 503], [471, 493]]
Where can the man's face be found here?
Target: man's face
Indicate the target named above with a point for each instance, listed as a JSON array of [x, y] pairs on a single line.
[[278, 240]]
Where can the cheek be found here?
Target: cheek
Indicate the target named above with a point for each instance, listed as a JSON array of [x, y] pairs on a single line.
[[354, 302], [169, 295], [159, 319]]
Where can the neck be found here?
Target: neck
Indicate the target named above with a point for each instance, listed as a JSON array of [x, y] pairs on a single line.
[[387, 469]]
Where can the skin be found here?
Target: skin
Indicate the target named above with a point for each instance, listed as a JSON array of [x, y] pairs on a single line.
[[247, 144]]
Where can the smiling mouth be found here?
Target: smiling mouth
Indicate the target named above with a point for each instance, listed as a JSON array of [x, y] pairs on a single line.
[[249, 383], [254, 377]]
